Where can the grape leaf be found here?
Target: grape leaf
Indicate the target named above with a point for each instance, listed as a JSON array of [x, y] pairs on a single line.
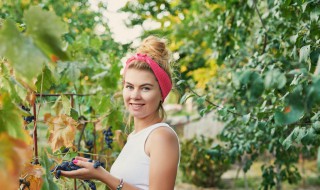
[[45, 80], [66, 103], [62, 129], [14, 154], [46, 28], [11, 120], [33, 175], [25, 58]]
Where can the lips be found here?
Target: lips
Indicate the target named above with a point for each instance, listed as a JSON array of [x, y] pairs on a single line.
[[136, 106]]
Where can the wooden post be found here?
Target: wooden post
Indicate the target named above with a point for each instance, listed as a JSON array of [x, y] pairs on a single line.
[[35, 135]]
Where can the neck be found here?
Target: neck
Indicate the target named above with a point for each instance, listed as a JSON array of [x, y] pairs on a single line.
[[140, 124]]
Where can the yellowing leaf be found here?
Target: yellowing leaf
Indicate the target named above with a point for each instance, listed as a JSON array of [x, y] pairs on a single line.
[[57, 107], [62, 131], [14, 154], [31, 97], [66, 104], [33, 174]]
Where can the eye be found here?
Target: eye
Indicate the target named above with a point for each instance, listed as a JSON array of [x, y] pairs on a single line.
[[145, 88], [129, 87]]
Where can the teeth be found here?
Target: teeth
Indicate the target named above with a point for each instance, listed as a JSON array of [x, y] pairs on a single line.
[[136, 106]]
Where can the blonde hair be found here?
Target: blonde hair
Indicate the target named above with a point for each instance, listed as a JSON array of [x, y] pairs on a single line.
[[155, 48]]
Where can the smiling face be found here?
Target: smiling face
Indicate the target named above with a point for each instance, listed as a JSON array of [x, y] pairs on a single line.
[[141, 94]]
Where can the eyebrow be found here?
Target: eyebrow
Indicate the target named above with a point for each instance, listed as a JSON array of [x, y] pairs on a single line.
[[144, 84]]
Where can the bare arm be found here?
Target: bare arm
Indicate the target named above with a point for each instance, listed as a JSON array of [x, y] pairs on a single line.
[[163, 149]]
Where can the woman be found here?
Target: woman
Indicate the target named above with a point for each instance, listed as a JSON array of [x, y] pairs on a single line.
[[150, 158]]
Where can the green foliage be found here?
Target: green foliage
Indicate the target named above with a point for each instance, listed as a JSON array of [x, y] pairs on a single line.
[[51, 47], [266, 88], [201, 166]]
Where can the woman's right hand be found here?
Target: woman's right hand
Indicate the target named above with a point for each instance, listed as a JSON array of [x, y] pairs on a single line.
[[86, 172]]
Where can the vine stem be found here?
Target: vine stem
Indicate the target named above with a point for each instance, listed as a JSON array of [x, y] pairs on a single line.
[[263, 25], [217, 106], [35, 135]]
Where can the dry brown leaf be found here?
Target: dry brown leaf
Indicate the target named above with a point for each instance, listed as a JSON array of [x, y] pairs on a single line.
[[62, 131]]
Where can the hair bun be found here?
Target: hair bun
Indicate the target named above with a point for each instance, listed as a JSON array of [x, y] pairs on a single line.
[[156, 48]]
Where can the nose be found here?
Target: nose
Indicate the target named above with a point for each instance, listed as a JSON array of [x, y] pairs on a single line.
[[135, 94]]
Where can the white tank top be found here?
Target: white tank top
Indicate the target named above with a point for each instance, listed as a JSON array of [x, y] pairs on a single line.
[[132, 164]]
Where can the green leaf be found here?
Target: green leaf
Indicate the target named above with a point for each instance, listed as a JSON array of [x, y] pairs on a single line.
[[313, 94], [315, 56], [74, 114], [185, 97], [289, 140], [201, 100], [275, 79], [301, 134], [47, 29], [26, 59], [293, 39], [213, 152], [293, 111], [256, 87], [95, 43], [246, 76], [304, 6], [73, 71], [314, 15], [287, 2], [180, 82], [47, 163], [304, 53], [45, 80], [236, 80], [10, 118], [246, 118], [316, 126]]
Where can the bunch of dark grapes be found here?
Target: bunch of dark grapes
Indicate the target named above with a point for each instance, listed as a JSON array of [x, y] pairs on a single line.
[[89, 145], [25, 108], [70, 166], [28, 119], [96, 163], [24, 183], [108, 137]]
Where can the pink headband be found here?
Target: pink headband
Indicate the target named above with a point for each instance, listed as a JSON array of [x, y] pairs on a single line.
[[162, 77]]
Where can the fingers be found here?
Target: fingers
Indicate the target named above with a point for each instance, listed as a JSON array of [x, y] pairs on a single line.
[[82, 158], [70, 174]]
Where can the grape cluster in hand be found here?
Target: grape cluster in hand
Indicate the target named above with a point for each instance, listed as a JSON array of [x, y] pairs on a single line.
[[69, 166], [108, 137]]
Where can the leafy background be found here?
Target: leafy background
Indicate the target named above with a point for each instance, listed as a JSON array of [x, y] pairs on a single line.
[[254, 63]]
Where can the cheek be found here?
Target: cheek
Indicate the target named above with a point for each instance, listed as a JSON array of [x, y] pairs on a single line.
[[154, 98], [125, 96]]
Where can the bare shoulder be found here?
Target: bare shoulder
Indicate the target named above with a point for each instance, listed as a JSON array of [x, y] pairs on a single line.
[[163, 134], [162, 139]]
